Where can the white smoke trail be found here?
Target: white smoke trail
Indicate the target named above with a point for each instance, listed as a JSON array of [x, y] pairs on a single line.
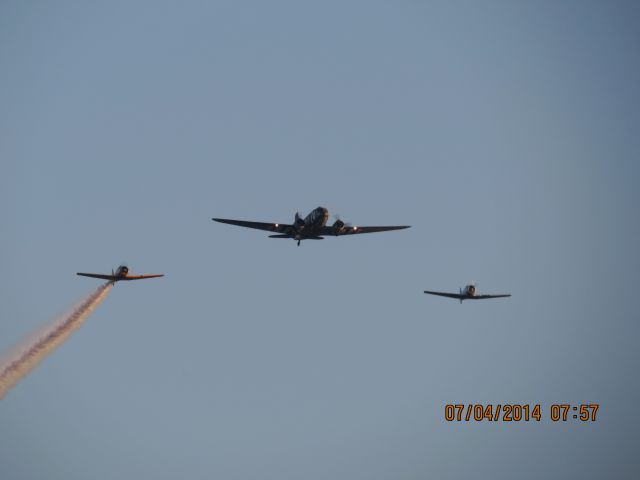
[[22, 358]]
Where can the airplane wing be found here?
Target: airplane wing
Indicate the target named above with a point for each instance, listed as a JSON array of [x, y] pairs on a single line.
[[269, 227], [141, 277], [97, 275], [450, 295], [115, 278], [466, 297], [328, 230], [480, 297]]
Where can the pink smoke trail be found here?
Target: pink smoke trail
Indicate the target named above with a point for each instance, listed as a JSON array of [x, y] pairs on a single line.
[[22, 358]]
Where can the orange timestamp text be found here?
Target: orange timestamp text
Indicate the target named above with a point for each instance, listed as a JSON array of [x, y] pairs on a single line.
[[516, 412]]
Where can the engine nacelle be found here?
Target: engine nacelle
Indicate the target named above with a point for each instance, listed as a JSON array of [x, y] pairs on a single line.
[[471, 290], [337, 227]]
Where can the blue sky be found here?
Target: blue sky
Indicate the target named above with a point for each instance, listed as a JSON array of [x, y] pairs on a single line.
[[505, 133]]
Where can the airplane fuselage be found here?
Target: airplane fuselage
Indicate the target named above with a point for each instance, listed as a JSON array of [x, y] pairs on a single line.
[[121, 273], [312, 223], [469, 291]]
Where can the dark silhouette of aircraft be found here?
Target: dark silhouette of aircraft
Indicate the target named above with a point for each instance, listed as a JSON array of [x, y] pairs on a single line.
[[121, 273], [467, 293], [312, 227]]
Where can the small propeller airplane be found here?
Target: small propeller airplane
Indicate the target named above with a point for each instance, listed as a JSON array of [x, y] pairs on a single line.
[[467, 293], [121, 273], [312, 227]]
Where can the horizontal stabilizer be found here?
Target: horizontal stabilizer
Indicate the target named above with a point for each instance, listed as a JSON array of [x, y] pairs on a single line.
[[291, 236]]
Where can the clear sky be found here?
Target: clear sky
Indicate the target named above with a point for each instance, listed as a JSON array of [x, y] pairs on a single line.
[[505, 132]]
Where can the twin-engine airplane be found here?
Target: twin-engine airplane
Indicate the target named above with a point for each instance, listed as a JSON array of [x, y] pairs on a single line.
[[467, 293], [312, 227], [122, 273]]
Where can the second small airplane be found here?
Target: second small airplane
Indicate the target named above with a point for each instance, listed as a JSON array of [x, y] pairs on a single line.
[[121, 273], [467, 293], [312, 227]]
